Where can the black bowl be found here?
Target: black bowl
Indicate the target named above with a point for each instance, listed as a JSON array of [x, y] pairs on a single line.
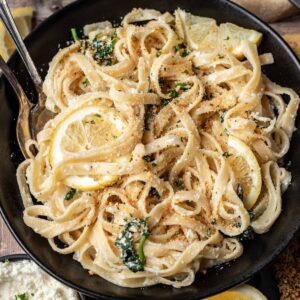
[[18, 257], [43, 45]]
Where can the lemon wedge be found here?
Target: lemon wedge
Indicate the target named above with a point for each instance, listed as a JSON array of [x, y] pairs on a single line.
[[247, 170], [23, 20], [243, 292], [231, 36], [85, 128], [200, 33]]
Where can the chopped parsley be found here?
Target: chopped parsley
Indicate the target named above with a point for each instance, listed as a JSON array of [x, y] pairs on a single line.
[[134, 261], [86, 82], [251, 215], [98, 115], [104, 49], [92, 122], [222, 116], [240, 191], [181, 49], [227, 38], [21, 297], [226, 154], [173, 94], [158, 53], [213, 221], [165, 102], [70, 194], [74, 34], [183, 86], [179, 185], [246, 235]]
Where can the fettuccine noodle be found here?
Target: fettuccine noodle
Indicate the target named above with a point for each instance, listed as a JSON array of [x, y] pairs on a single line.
[[171, 163]]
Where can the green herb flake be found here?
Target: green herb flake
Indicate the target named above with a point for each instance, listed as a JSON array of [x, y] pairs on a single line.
[[181, 49], [165, 102], [70, 194], [240, 191], [158, 53], [226, 154], [226, 131], [21, 297], [222, 116], [86, 82], [104, 49], [251, 215], [227, 38], [183, 86], [92, 122], [125, 242], [98, 115], [246, 235], [213, 221], [74, 34], [173, 94], [179, 185]]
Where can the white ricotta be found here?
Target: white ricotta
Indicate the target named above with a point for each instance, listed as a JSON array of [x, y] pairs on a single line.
[[26, 277]]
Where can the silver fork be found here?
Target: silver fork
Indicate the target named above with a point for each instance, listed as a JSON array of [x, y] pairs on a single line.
[[37, 114]]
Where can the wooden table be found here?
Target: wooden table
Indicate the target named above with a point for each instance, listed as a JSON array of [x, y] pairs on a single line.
[[290, 29]]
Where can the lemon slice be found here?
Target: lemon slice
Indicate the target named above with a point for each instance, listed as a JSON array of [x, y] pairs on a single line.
[[247, 170], [200, 33], [85, 128], [23, 20], [243, 292], [231, 36]]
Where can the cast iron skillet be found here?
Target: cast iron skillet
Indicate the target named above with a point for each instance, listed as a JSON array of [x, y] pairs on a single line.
[[43, 45]]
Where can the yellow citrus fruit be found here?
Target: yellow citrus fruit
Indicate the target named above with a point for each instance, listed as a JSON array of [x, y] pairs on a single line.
[[246, 169], [231, 36], [23, 20], [86, 128], [243, 292]]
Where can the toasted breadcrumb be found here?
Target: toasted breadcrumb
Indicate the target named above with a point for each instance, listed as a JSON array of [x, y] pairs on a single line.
[[287, 268]]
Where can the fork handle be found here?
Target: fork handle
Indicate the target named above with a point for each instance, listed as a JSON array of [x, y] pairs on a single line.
[[11, 27]]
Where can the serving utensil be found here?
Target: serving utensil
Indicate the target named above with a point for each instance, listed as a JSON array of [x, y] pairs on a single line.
[[23, 126], [36, 114]]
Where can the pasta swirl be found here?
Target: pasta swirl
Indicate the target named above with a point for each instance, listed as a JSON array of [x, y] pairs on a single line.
[[151, 125]]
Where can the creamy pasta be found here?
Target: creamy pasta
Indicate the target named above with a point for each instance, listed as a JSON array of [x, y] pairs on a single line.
[[165, 151]]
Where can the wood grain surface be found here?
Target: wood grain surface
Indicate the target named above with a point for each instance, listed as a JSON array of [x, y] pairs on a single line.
[[289, 28]]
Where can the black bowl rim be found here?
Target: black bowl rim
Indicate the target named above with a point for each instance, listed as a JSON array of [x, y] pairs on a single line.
[[242, 278], [23, 256]]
